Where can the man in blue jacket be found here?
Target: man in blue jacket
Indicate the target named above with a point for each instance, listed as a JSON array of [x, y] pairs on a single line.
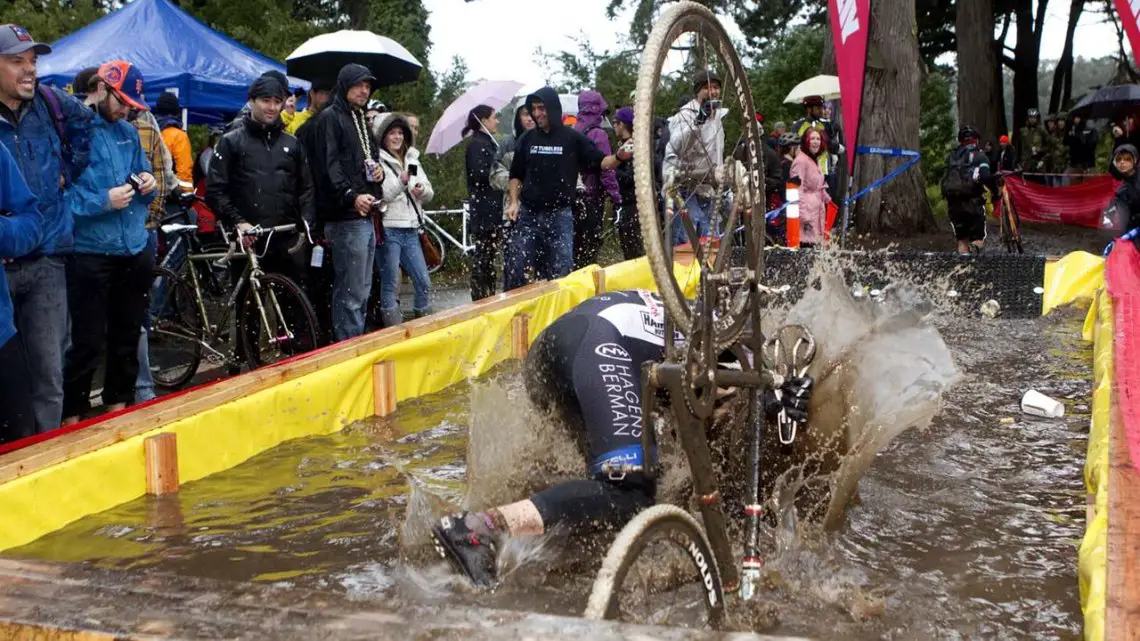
[[109, 275], [46, 131], [20, 232]]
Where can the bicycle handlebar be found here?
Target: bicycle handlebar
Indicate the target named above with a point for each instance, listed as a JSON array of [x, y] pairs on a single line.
[[264, 231]]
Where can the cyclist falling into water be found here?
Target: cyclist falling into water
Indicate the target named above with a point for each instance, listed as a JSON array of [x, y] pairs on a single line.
[[586, 366]]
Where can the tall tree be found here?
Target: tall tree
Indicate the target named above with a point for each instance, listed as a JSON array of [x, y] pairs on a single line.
[[1026, 58], [1063, 74], [892, 87], [979, 95]]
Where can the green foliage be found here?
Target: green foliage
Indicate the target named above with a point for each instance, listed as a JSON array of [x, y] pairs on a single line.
[[50, 20], [937, 131], [783, 65]]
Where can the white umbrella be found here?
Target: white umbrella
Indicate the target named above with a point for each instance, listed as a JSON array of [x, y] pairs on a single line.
[[448, 131], [323, 56], [825, 86]]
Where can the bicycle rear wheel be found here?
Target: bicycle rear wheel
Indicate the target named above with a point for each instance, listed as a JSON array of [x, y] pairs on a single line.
[[1011, 224], [292, 324], [174, 342], [698, 31], [659, 571], [435, 238]]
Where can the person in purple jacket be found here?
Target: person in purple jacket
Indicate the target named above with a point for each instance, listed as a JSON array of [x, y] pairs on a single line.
[[590, 206]]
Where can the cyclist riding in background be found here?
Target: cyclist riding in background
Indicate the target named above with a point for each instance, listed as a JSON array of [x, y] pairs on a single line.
[[586, 367]]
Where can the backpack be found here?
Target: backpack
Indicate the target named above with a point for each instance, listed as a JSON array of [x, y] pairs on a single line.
[[56, 110], [959, 183]]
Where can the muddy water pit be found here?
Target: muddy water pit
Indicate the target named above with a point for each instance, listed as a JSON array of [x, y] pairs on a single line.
[[967, 529]]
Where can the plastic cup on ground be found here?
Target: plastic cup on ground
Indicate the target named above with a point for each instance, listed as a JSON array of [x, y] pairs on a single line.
[[1037, 404]]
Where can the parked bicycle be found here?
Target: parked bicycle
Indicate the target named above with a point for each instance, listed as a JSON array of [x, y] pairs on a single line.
[[439, 234], [1010, 221], [270, 316]]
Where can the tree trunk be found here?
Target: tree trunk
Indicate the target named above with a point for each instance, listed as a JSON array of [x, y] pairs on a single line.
[[979, 96], [892, 87], [1026, 57], [1063, 74]]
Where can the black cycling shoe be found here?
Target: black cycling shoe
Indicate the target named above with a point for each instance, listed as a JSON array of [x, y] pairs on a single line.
[[471, 553]]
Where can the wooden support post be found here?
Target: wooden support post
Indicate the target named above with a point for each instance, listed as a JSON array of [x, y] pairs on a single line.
[[600, 281], [520, 336], [384, 387], [161, 464]]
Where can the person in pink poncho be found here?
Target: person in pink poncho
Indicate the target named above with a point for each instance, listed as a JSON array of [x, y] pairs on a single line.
[[813, 189]]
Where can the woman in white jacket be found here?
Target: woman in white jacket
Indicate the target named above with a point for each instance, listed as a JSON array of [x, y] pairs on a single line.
[[406, 190]]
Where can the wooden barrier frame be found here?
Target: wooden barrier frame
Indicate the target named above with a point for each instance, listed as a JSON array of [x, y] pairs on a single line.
[[156, 414], [1122, 566]]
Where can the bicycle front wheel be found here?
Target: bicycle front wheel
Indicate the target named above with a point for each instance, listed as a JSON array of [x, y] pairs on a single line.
[[703, 185], [660, 571], [1011, 224], [174, 344], [275, 321]]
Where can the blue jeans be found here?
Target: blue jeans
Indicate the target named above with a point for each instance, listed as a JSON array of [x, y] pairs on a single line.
[[144, 382], [39, 299], [353, 247], [699, 210], [540, 246], [401, 248]]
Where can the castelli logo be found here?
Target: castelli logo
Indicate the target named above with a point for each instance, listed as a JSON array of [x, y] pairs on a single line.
[[848, 18]]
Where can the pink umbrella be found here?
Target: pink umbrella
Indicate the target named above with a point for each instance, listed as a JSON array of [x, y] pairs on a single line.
[[448, 132]]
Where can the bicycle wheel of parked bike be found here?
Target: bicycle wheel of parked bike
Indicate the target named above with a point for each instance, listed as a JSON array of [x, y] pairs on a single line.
[[174, 343], [290, 326], [700, 187], [1010, 225], [659, 571]]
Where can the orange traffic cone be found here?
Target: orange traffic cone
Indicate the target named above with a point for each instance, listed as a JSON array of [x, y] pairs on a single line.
[[792, 215]]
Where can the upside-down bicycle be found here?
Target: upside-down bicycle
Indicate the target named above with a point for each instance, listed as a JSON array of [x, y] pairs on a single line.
[[693, 568]]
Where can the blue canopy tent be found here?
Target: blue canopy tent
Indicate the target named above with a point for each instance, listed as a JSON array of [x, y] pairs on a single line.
[[209, 72]]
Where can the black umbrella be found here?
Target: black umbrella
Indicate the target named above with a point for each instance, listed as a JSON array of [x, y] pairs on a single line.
[[1108, 102], [324, 55]]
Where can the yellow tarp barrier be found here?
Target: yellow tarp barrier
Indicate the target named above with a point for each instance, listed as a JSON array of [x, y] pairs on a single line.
[[1074, 278], [1093, 554], [322, 402]]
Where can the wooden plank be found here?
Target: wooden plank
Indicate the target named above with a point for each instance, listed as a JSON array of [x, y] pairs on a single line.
[[161, 452], [457, 315], [1122, 601], [384, 388], [600, 281], [144, 419], [520, 336]]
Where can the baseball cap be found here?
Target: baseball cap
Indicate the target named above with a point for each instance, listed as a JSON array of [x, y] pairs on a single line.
[[126, 81], [15, 40]]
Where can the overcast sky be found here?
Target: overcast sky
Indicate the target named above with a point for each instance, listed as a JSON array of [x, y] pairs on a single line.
[[498, 38]]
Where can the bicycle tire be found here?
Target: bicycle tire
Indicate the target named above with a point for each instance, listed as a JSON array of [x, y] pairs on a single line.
[[680, 528], [1010, 225], [302, 319], [678, 20], [177, 329]]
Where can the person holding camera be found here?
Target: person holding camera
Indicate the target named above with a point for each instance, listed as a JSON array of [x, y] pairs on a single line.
[[109, 275], [695, 153], [406, 189]]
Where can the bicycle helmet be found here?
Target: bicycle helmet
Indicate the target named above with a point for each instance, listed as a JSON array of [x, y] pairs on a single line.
[[968, 133], [377, 106], [789, 139], [1032, 112]]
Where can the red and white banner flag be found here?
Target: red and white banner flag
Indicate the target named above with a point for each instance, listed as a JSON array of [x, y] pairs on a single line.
[[850, 22], [1129, 11]]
